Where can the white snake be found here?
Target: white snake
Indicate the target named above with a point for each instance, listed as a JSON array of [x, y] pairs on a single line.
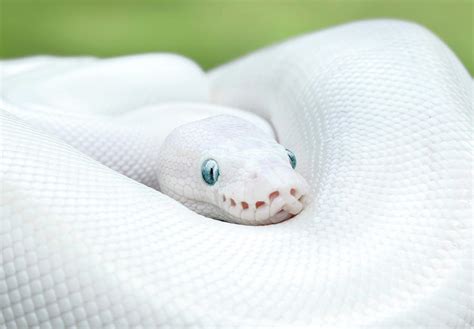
[[379, 116]]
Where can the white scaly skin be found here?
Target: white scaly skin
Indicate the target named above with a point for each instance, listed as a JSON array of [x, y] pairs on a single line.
[[70, 116], [379, 115], [112, 135]]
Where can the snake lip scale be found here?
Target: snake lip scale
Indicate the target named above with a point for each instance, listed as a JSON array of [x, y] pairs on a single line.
[[278, 207]]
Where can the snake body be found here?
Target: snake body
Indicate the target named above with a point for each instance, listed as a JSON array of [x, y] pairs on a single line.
[[379, 116]]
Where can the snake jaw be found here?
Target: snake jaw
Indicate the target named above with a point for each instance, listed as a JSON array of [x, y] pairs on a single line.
[[265, 200]]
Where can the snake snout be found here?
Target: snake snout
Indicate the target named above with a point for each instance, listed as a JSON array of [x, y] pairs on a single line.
[[266, 202], [286, 203]]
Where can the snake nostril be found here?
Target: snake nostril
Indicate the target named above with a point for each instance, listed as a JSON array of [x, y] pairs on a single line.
[[274, 195], [223, 198], [245, 205], [259, 204], [232, 202], [293, 192]]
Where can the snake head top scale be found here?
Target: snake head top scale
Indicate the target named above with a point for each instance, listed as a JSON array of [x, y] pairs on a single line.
[[226, 168]]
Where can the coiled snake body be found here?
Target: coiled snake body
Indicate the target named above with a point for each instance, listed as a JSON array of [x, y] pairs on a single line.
[[379, 116]]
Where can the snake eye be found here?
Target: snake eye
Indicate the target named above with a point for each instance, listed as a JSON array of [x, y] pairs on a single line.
[[292, 158], [210, 171]]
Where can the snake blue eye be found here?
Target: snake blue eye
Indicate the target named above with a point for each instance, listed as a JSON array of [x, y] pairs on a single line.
[[292, 158], [210, 171]]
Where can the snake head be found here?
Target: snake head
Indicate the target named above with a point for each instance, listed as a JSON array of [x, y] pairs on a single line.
[[226, 168]]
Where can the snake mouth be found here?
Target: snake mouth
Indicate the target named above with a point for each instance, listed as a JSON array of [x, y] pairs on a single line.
[[281, 216], [279, 205]]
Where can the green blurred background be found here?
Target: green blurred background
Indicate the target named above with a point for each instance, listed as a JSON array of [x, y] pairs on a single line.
[[210, 32]]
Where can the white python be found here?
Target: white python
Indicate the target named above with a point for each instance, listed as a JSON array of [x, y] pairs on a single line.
[[379, 115]]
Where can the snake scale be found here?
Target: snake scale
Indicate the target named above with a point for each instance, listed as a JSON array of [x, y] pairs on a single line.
[[378, 117]]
